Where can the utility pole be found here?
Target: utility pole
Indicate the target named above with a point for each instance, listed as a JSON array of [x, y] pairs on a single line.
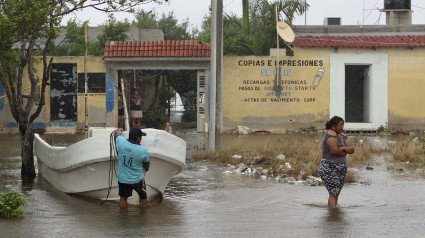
[[216, 70], [219, 65], [364, 6], [86, 127]]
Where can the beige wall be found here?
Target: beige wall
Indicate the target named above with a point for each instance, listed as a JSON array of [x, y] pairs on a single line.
[[96, 102], [249, 98], [248, 95], [406, 84], [247, 89]]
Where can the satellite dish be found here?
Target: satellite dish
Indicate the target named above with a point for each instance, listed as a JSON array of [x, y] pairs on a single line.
[[285, 32]]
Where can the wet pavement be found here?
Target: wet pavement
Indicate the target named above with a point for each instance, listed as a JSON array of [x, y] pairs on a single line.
[[202, 201]]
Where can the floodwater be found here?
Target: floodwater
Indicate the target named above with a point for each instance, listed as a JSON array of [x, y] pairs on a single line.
[[202, 201]]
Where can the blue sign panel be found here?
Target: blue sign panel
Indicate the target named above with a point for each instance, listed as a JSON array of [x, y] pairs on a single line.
[[109, 94]]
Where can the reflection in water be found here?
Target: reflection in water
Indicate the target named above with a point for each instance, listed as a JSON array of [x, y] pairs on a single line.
[[335, 214], [334, 224], [202, 201], [27, 184]]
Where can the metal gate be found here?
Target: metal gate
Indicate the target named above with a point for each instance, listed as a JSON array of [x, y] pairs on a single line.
[[200, 102]]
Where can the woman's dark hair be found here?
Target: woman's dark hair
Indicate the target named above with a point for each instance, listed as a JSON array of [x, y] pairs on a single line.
[[333, 122]]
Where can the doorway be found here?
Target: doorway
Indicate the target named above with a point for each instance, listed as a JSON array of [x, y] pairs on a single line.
[[359, 89], [357, 93]]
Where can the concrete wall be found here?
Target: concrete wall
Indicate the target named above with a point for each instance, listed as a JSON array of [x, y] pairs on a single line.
[[97, 102], [308, 83], [376, 87], [249, 98], [406, 81], [396, 89]]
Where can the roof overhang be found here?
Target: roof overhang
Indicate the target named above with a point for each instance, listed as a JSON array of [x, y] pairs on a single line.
[[155, 63]]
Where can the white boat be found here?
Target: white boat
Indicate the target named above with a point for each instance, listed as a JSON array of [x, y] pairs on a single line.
[[84, 168]]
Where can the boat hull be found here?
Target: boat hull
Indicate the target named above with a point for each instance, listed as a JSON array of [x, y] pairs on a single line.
[[85, 168]]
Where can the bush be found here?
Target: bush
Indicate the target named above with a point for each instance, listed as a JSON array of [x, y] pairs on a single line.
[[10, 204]]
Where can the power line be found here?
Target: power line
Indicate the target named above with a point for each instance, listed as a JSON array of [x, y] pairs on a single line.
[[229, 3], [326, 7], [379, 18], [370, 10], [418, 7]]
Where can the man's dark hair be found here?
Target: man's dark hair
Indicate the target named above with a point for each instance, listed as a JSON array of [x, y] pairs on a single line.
[[135, 133]]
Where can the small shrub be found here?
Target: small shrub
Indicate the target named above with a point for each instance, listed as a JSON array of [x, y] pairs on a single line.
[[10, 204]]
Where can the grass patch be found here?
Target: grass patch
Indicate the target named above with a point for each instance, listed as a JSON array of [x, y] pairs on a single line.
[[304, 153], [407, 153]]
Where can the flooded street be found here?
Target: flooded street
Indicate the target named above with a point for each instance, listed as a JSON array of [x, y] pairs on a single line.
[[202, 201]]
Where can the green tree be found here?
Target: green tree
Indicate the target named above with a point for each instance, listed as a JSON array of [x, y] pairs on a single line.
[[182, 82], [205, 32], [24, 24], [167, 23], [262, 22], [73, 42], [146, 20], [290, 8], [172, 29], [112, 30], [263, 25]]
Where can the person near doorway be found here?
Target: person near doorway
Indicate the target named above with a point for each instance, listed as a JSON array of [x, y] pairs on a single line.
[[120, 111], [136, 108], [133, 162], [167, 127], [333, 167]]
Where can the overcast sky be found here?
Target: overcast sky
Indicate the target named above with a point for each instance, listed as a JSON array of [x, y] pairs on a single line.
[[352, 12]]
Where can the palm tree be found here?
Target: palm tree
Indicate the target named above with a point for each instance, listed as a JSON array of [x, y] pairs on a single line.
[[260, 36], [245, 17], [291, 7]]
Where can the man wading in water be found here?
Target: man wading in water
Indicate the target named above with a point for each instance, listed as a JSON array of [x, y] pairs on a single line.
[[333, 168], [132, 159]]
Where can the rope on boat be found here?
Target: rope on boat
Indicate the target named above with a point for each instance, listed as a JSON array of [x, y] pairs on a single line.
[[113, 152]]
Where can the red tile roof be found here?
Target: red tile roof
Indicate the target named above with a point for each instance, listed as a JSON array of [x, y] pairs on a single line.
[[162, 48], [361, 41]]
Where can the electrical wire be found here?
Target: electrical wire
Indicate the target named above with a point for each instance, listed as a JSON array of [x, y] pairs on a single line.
[[371, 11], [227, 4], [418, 7], [149, 77], [379, 18], [326, 7], [113, 152]]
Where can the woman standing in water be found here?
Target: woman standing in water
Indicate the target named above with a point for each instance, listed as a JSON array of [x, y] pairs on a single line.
[[333, 168]]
